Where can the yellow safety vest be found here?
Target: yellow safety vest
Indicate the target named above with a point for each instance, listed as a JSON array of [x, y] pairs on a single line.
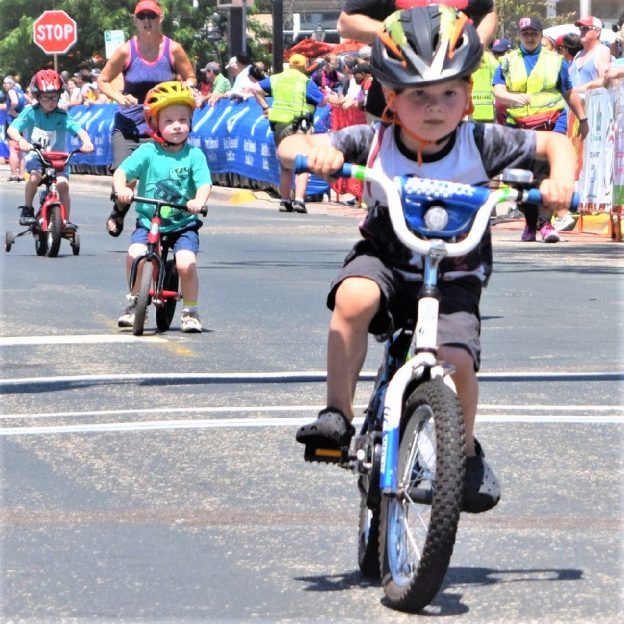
[[541, 84], [289, 96], [482, 90]]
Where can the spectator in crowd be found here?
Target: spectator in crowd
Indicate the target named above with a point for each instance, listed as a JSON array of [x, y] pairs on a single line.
[[482, 90], [70, 96], [327, 77], [146, 60], [238, 67], [548, 43], [570, 46], [295, 97], [533, 83], [14, 103], [361, 20], [617, 47], [590, 64], [216, 83], [94, 95], [363, 79], [500, 47], [84, 79], [256, 74], [346, 78]]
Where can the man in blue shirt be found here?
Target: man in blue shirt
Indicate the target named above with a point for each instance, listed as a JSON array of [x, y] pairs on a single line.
[[295, 97]]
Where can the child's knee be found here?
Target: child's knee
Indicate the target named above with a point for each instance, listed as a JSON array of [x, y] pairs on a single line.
[[460, 358], [357, 297]]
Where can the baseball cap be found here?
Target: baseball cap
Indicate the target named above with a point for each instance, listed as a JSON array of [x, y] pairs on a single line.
[[212, 66], [297, 61], [501, 45], [148, 5], [590, 22], [362, 68], [232, 62], [530, 23]]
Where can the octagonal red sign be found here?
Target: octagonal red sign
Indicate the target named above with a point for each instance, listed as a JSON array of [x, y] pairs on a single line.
[[55, 32]]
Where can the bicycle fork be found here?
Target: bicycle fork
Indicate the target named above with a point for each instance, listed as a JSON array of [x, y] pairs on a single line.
[[422, 363]]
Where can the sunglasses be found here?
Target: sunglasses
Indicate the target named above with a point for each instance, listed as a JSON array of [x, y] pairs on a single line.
[[50, 96], [586, 28], [144, 16]]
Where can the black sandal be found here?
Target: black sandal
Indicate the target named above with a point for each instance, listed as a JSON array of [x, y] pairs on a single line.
[[117, 217], [331, 429]]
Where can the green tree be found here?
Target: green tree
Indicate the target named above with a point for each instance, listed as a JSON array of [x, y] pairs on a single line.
[[183, 22], [510, 11]]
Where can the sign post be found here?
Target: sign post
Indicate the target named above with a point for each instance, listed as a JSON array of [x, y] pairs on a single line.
[[55, 33]]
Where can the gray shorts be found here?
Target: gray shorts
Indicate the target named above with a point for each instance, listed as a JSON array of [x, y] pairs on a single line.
[[459, 321], [281, 131], [124, 145]]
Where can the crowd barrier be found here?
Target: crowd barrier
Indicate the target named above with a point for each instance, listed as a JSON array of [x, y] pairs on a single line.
[[238, 143], [601, 179], [235, 136]]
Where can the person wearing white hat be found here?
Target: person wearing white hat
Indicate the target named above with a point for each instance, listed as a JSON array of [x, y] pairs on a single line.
[[590, 64]]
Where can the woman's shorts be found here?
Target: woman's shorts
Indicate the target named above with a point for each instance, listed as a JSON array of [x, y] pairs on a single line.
[[187, 239], [123, 145], [459, 321]]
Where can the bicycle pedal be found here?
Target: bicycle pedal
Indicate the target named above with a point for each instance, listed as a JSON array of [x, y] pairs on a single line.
[[326, 455]]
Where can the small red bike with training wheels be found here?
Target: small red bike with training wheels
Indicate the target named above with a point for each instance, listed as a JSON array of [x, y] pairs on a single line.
[[50, 225], [161, 285]]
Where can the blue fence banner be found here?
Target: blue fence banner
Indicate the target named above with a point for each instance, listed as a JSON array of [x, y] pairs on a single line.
[[235, 137], [4, 146]]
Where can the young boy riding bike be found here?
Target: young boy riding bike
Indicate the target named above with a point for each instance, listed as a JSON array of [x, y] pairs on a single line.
[[47, 124], [168, 169], [424, 58]]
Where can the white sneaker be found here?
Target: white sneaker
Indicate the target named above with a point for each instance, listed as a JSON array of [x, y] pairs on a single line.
[[127, 318], [190, 323], [565, 223]]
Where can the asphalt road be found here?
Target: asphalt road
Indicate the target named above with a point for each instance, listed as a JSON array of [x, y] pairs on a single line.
[[130, 494]]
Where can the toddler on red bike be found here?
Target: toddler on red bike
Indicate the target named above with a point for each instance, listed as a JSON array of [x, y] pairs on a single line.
[[46, 124], [171, 170]]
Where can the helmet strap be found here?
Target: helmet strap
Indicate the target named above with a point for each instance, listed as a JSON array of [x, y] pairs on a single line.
[[390, 117]]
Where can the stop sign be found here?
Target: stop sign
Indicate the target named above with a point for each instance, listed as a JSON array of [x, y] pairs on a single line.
[[55, 32]]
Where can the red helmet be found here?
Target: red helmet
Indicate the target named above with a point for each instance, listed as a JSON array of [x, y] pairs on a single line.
[[46, 81]]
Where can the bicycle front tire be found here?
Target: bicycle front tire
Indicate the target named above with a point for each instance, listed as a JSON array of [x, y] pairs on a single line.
[[143, 299], [166, 312], [55, 231], [418, 526]]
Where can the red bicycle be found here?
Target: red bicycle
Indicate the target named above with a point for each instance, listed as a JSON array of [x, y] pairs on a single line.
[[161, 285], [50, 225]]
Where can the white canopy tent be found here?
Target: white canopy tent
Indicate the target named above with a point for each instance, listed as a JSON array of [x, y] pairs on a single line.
[[606, 36]]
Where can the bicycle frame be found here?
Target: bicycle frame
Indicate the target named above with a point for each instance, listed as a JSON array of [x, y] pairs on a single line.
[[53, 163], [156, 252]]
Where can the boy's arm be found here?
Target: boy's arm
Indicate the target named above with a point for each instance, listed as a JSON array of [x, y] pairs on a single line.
[[86, 146], [201, 198], [558, 150], [323, 158], [120, 186]]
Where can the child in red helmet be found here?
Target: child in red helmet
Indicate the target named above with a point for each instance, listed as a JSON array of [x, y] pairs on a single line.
[[168, 169], [46, 124]]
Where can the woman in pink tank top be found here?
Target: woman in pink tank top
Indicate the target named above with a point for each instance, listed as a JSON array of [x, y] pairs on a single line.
[[146, 60]]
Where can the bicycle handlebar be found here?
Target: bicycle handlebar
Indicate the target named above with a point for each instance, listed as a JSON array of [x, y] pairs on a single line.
[[473, 200], [46, 157], [160, 203]]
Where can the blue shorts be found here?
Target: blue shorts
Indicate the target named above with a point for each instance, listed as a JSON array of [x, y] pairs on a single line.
[[187, 239], [34, 164]]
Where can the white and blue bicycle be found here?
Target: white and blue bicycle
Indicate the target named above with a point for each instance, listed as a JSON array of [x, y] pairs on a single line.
[[410, 452]]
